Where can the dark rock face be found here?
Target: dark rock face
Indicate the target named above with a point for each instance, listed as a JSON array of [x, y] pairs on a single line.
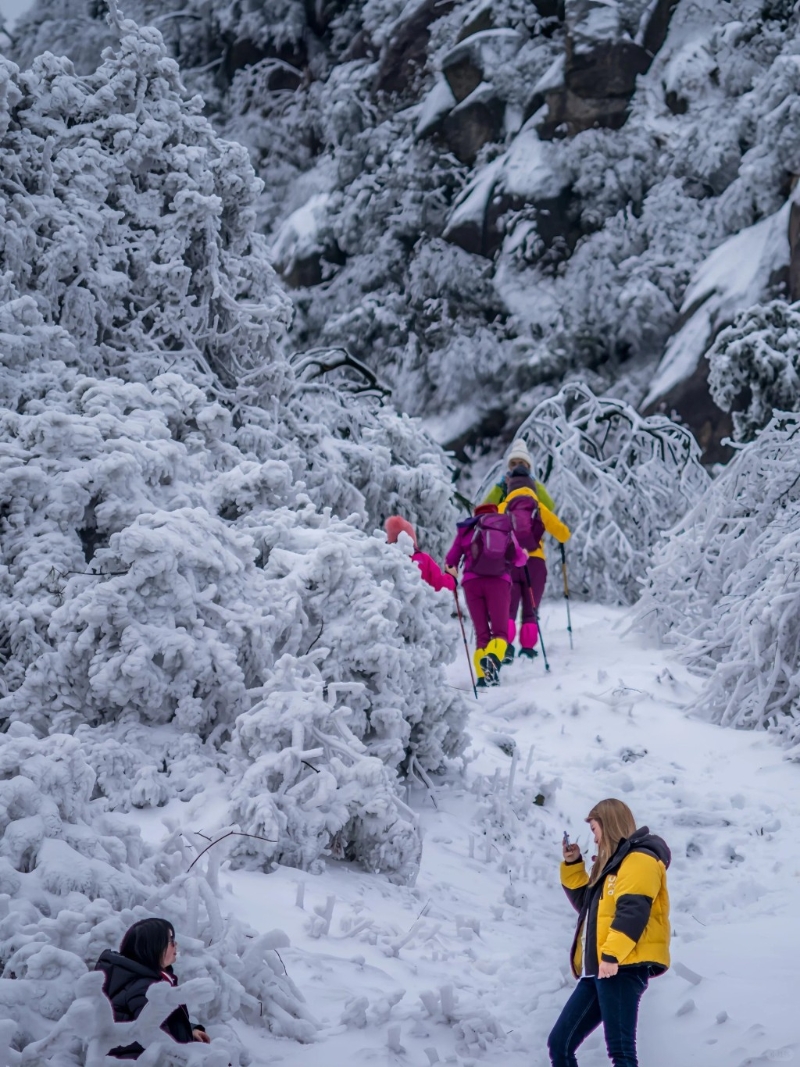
[[462, 71], [599, 81], [320, 13], [480, 436], [405, 55], [569, 114], [691, 401], [469, 235], [477, 23], [655, 32], [597, 89], [609, 70], [557, 221], [476, 121], [304, 272], [476, 58], [550, 9]]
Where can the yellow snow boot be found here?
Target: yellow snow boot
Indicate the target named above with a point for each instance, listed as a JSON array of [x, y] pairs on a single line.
[[492, 658], [477, 658]]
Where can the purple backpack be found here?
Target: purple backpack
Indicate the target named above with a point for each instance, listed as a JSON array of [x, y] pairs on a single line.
[[492, 546], [526, 521]]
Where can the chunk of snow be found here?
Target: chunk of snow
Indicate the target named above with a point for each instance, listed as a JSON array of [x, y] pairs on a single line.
[[593, 21], [471, 203], [298, 237], [552, 78], [437, 103], [533, 169]]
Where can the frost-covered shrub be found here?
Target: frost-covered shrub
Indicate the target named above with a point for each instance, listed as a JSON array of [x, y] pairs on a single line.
[[155, 573], [73, 878], [725, 588], [140, 240], [175, 520], [191, 557], [755, 365], [306, 783], [618, 480]]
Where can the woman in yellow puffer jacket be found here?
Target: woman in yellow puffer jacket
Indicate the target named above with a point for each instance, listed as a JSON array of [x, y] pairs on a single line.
[[622, 935]]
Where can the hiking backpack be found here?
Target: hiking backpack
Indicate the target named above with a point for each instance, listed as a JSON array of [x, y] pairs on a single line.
[[526, 521], [492, 547]]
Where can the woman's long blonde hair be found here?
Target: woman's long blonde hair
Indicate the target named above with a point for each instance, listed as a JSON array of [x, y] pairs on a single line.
[[617, 823]]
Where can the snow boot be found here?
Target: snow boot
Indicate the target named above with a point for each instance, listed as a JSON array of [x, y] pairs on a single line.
[[509, 656], [492, 660], [481, 683], [528, 653], [490, 665]]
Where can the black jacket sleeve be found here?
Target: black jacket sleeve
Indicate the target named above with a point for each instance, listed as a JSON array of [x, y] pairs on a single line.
[[632, 915]]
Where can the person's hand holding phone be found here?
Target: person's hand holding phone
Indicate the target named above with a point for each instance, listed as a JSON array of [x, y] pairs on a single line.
[[572, 853]]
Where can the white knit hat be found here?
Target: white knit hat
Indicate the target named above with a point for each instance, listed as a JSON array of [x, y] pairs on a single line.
[[519, 453]]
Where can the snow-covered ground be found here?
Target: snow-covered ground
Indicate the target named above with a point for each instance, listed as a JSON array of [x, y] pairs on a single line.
[[471, 964]]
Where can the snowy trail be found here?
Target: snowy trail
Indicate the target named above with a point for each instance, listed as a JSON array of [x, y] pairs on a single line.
[[484, 938]]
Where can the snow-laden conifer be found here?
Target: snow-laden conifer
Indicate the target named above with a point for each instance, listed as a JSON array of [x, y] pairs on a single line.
[[755, 366], [725, 588]]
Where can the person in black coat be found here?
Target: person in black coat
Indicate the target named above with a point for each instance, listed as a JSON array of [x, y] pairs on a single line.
[[145, 957]]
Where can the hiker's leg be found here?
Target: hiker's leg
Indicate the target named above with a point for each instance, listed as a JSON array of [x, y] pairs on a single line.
[[498, 595], [537, 572], [578, 1018], [476, 596]]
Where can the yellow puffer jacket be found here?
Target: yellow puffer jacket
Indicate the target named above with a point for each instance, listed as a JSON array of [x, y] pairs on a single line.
[[626, 911], [551, 521]]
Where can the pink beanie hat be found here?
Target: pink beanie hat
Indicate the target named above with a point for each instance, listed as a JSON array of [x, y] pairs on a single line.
[[396, 525]]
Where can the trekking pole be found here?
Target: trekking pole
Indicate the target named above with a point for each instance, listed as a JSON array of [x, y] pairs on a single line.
[[536, 616], [464, 635], [566, 592], [541, 639]]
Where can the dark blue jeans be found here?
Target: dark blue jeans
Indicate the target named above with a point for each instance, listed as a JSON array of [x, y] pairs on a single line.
[[614, 1002]]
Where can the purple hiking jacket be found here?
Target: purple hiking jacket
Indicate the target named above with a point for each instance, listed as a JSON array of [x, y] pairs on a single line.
[[460, 548]]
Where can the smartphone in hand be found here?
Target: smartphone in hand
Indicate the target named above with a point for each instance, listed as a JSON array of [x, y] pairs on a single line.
[[565, 840]]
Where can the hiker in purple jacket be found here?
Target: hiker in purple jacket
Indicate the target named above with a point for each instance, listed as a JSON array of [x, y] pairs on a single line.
[[490, 551]]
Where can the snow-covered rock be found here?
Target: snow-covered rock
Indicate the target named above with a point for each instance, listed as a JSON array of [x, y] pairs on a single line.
[[735, 276]]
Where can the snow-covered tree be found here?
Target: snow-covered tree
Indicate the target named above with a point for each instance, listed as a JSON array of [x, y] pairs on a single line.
[[190, 516], [755, 366], [140, 240], [725, 588]]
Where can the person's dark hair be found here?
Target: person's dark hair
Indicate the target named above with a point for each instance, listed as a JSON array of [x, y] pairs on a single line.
[[147, 941]]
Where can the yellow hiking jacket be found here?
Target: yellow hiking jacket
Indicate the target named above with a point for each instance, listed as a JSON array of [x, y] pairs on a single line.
[[626, 911], [552, 523]]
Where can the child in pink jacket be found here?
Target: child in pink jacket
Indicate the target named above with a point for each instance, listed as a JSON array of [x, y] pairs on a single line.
[[433, 575]]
